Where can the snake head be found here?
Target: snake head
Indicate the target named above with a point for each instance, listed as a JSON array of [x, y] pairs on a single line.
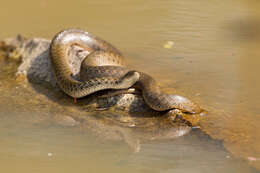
[[178, 116]]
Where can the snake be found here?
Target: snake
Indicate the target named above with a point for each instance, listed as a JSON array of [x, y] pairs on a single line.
[[104, 68]]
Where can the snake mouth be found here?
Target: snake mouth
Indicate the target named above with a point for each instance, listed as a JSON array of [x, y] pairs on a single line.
[[178, 116]]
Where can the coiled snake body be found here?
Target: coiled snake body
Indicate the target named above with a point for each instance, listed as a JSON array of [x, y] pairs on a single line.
[[104, 68]]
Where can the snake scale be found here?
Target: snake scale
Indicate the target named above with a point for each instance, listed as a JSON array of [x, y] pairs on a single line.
[[105, 68]]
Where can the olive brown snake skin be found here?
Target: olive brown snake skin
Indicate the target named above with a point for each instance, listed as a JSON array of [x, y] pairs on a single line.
[[104, 68]]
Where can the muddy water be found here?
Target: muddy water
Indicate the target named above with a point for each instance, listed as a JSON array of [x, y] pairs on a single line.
[[212, 57]]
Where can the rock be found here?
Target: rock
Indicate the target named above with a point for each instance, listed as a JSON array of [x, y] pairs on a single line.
[[35, 67]]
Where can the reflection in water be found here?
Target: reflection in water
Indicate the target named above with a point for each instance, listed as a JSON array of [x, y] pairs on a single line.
[[214, 59]]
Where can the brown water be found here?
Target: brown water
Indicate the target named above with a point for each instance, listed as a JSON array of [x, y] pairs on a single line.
[[214, 59]]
